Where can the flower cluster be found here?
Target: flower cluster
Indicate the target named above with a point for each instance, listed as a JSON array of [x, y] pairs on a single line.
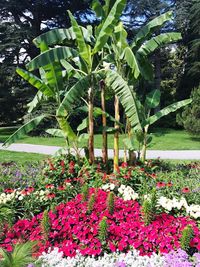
[[170, 204], [54, 258], [179, 258], [126, 192], [72, 228]]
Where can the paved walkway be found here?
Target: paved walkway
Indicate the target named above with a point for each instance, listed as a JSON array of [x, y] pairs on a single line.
[[151, 154]]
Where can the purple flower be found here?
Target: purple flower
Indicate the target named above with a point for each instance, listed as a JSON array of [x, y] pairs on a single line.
[[120, 264]]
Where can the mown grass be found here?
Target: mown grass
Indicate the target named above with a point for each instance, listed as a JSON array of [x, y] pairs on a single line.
[[20, 157], [163, 139]]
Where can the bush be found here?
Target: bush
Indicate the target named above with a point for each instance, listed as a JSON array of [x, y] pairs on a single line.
[[190, 117]]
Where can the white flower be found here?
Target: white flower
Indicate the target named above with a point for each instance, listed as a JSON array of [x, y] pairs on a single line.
[[20, 197], [112, 186]]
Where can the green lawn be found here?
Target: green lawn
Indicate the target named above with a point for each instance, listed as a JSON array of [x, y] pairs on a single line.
[[163, 139], [20, 157]]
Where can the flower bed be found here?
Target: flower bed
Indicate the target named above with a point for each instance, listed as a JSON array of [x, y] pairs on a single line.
[[76, 226]]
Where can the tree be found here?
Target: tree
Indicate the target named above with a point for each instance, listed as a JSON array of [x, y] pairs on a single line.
[[21, 21]]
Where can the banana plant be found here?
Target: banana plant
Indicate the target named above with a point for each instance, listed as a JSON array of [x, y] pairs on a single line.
[[151, 102], [132, 62], [84, 60]]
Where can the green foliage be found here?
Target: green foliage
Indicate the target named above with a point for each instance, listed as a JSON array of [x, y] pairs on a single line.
[[45, 224], [149, 207], [85, 191], [23, 130], [103, 230], [6, 215], [91, 202], [146, 209], [126, 96], [165, 111], [111, 202], [21, 255], [190, 117], [187, 235]]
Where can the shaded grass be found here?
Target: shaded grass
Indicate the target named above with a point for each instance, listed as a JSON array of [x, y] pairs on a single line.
[[163, 139]]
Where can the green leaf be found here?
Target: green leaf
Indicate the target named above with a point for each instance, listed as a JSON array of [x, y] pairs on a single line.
[[55, 132], [165, 111], [132, 62], [153, 99], [109, 24], [83, 125], [126, 96], [157, 41], [70, 69], [120, 36], [23, 130], [146, 68], [35, 81], [97, 8], [61, 36], [84, 49], [73, 94], [150, 27], [50, 56], [83, 137], [129, 143], [66, 128], [35, 102]]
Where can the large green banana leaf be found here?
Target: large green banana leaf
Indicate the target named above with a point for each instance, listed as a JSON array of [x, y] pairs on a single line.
[[50, 56], [132, 62], [157, 41], [84, 49], [60, 36], [70, 69], [23, 130], [35, 81], [73, 94], [152, 99], [66, 128], [37, 100], [126, 96], [55, 132], [108, 26], [165, 111], [147, 30]]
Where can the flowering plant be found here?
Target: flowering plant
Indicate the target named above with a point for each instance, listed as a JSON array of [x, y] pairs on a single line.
[[72, 228]]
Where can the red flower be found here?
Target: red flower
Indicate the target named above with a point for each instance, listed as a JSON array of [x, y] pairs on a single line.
[[160, 184], [153, 175], [124, 165], [185, 190], [9, 190], [49, 186], [61, 187], [62, 163], [51, 195], [169, 184]]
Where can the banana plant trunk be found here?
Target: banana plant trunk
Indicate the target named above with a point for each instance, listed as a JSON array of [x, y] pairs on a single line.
[[132, 155], [116, 135], [104, 123], [91, 126], [144, 146]]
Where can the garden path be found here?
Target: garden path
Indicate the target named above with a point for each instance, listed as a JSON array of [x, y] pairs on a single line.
[[151, 154]]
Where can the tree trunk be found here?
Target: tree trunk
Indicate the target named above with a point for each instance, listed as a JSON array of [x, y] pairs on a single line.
[[91, 126], [144, 146], [116, 135], [104, 133], [157, 74]]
